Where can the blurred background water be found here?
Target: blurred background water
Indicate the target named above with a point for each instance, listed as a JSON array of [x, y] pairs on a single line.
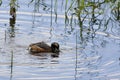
[[88, 33]]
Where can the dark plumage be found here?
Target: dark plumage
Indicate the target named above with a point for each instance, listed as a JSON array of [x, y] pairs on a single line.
[[43, 47]]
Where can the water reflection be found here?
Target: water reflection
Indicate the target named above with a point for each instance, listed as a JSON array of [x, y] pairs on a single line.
[[85, 32], [116, 11], [45, 55]]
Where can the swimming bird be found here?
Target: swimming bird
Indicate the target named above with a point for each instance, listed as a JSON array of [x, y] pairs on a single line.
[[43, 47]]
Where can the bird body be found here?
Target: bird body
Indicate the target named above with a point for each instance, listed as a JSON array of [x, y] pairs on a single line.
[[43, 47]]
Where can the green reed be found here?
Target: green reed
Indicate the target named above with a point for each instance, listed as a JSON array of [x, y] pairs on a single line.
[[84, 8], [81, 9], [116, 11], [13, 3], [0, 2]]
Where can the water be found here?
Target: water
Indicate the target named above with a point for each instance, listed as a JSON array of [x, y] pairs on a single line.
[[87, 56]]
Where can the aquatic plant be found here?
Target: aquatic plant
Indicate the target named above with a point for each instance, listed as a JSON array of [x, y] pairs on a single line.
[[0, 2], [77, 9], [12, 20], [116, 10], [13, 3]]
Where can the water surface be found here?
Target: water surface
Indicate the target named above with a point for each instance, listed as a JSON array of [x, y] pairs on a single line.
[[92, 55]]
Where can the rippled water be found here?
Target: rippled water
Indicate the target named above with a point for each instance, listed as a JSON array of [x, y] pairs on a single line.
[[97, 57]]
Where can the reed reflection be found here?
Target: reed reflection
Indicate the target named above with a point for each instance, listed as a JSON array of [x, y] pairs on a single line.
[[11, 66]]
